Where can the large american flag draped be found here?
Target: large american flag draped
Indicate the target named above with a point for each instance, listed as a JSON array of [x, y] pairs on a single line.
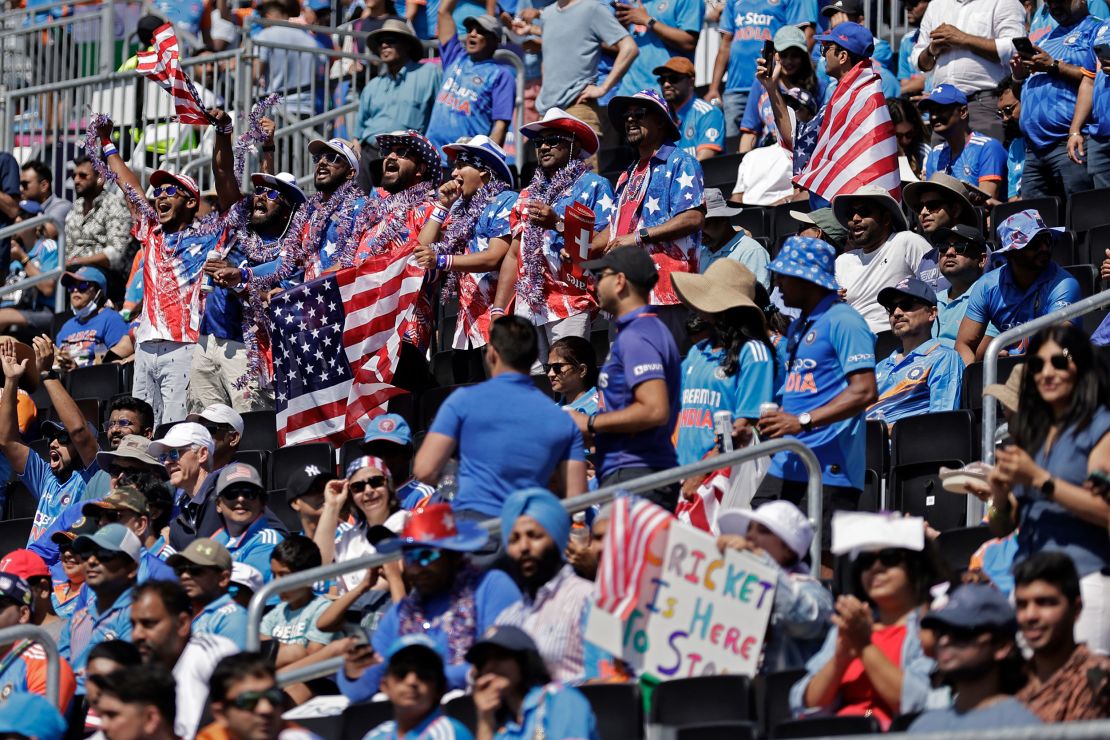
[[855, 144], [336, 342], [162, 65], [633, 526]]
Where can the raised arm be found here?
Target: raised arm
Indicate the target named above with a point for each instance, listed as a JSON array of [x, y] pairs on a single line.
[[69, 414], [445, 25], [127, 178], [13, 448], [223, 162]]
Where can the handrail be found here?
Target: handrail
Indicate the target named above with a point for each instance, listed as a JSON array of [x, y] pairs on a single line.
[[40, 637], [1089, 730], [990, 373], [11, 230], [324, 668], [578, 503], [331, 30], [513, 59]]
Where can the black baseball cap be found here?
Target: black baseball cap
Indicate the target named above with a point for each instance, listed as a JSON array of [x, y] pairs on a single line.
[[305, 479], [963, 232], [633, 262], [853, 8]]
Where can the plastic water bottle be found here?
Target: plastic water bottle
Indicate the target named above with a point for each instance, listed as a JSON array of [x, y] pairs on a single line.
[[579, 531], [448, 481]]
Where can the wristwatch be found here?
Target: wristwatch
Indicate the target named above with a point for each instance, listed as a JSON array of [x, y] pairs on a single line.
[[1048, 489], [651, 24], [642, 236], [806, 421], [50, 374]]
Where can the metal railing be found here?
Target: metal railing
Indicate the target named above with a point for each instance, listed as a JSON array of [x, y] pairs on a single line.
[[513, 60], [54, 275], [40, 637], [578, 503], [975, 507], [1096, 730]]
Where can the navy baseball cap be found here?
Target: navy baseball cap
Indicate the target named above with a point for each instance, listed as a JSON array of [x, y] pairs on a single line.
[[506, 637], [852, 37], [911, 288], [943, 95], [972, 606]]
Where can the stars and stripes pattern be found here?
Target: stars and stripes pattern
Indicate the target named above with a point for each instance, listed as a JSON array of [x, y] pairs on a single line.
[[336, 343], [855, 145], [633, 526], [162, 65]]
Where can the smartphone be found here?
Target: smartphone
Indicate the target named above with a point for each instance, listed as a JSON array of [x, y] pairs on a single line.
[[356, 631], [1024, 46], [1102, 51], [1100, 482], [769, 56], [1004, 442]]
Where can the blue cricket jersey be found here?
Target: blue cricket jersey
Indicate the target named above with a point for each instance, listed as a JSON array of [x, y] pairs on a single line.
[[997, 300], [925, 380]]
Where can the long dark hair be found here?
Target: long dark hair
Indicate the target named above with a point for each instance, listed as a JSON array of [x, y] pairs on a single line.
[[924, 570], [805, 77], [734, 328], [580, 352], [1036, 418], [903, 111]]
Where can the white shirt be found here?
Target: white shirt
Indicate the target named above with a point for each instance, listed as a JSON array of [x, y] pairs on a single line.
[[191, 673], [864, 274], [764, 176], [352, 543], [1000, 20]]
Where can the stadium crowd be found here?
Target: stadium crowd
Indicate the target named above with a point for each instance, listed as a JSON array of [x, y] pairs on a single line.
[[684, 321]]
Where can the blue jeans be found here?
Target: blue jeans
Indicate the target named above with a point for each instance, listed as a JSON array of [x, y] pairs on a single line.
[[734, 102], [1098, 161], [1049, 172]]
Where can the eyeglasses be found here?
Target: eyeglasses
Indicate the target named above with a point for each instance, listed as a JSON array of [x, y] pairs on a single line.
[[248, 700], [557, 367], [932, 206], [1059, 361], [961, 248], [906, 305], [1006, 111], [270, 193], [247, 494], [888, 558], [671, 79], [374, 481], [423, 556], [173, 454], [167, 190], [635, 113], [121, 423], [81, 287], [329, 157], [552, 140]]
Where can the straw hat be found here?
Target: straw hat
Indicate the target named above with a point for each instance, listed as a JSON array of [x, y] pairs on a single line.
[[726, 284], [1008, 393]]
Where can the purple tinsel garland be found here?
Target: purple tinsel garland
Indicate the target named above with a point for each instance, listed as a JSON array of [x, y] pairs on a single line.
[[390, 212], [532, 259], [340, 207], [253, 132], [94, 150], [459, 622], [461, 229]]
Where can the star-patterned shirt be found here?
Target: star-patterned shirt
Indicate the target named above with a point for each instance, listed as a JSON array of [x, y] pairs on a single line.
[[477, 289], [674, 185], [566, 294], [171, 281], [323, 257]]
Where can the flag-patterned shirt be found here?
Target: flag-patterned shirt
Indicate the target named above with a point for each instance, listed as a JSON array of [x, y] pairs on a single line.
[[172, 265], [566, 293], [321, 256], [674, 184], [476, 289]]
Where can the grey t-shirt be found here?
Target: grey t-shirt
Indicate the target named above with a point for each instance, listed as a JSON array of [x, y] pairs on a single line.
[[572, 39], [289, 70], [1008, 712]]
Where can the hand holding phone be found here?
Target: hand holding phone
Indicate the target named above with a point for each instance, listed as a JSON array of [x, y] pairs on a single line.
[[769, 56], [1024, 47]]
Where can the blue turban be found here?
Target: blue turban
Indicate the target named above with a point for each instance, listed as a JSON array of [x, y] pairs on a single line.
[[543, 506]]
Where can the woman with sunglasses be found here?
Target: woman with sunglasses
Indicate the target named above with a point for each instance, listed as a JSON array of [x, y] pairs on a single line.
[[572, 370], [872, 662], [1061, 436]]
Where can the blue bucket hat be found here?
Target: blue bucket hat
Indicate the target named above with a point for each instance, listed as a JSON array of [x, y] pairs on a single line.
[[543, 506], [650, 98], [852, 37], [485, 151], [943, 95], [808, 258], [973, 606], [1023, 227], [88, 274], [388, 428], [31, 715]]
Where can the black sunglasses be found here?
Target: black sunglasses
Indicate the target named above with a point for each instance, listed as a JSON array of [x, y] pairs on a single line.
[[551, 140], [192, 569], [249, 494], [62, 437], [425, 673], [1006, 111], [248, 700], [888, 558], [404, 151], [1059, 361], [374, 481], [635, 113], [671, 79], [557, 367], [932, 206], [905, 304], [961, 248], [102, 555]]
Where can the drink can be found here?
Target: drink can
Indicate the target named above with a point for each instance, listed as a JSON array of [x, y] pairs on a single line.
[[767, 408], [722, 430], [206, 285]]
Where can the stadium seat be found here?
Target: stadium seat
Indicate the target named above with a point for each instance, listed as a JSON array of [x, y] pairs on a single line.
[[462, 708], [277, 502], [1093, 249], [404, 405], [95, 381], [1064, 249], [772, 696], [285, 460], [90, 409], [1087, 209], [718, 731], [720, 172], [920, 445], [878, 464], [257, 459], [885, 344], [971, 395], [619, 709], [1048, 207], [430, 402], [782, 223], [825, 727], [1087, 275], [351, 449], [688, 701], [958, 545], [14, 533], [902, 722], [127, 377], [259, 430], [753, 219], [1091, 321], [21, 502], [359, 719]]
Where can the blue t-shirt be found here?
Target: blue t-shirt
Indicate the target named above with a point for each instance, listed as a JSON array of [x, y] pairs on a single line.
[[1015, 165], [982, 160], [643, 350], [187, 14], [1046, 525], [1099, 124], [818, 354], [1048, 101], [745, 250], [223, 616], [752, 22], [684, 14], [254, 546], [706, 390], [84, 340], [997, 300], [473, 95], [495, 458], [906, 69], [52, 495], [1008, 712], [436, 725], [552, 711], [153, 568], [1043, 22], [702, 126], [950, 313], [927, 379]]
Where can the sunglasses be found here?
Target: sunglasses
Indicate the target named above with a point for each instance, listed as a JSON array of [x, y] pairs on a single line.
[[329, 157], [1006, 111], [671, 79], [248, 700], [888, 558], [374, 481], [905, 305], [118, 471], [1059, 361], [932, 206], [167, 190], [961, 248], [173, 455], [102, 555], [960, 635], [557, 367], [405, 151], [247, 494], [425, 673], [217, 429], [552, 140], [62, 437], [423, 556], [635, 113], [270, 193], [192, 569], [81, 287], [121, 423]]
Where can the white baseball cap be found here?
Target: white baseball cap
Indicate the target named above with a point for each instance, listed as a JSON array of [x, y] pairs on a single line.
[[247, 576], [219, 413], [185, 434], [783, 518]]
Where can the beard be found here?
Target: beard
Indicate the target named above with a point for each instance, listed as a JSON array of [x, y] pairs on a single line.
[[547, 565]]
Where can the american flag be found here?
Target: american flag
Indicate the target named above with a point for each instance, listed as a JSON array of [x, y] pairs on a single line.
[[336, 342], [162, 65], [856, 145], [633, 526]]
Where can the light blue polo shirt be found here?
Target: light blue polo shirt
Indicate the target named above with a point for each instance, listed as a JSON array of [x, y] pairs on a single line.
[[997, 300]]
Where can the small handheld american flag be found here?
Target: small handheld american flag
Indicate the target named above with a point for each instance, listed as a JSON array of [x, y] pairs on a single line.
[[162, 65]]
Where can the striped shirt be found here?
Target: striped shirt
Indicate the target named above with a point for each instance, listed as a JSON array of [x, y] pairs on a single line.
[[171, 287], [554, 620], [981, 161], [437, 726]]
